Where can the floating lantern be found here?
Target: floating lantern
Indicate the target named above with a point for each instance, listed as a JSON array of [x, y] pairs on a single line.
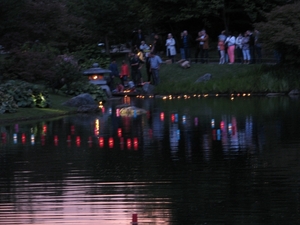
[[118, 112], [44, 129]]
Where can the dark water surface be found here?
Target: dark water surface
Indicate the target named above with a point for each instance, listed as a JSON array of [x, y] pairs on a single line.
[[187, 161]]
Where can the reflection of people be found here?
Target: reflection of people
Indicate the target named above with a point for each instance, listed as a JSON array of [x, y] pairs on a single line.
[[114, 73], [171, 50], [155, 62]]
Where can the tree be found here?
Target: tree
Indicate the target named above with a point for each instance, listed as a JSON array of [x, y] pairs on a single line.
[[281, 32]]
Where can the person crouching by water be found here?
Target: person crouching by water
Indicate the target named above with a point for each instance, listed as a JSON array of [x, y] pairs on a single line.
[[155, 62], [124, 73]]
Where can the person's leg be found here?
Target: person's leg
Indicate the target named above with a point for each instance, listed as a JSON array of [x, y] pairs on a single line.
[[206, 55]]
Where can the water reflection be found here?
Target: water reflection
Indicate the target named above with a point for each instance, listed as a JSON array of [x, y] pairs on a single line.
[[186, 161]]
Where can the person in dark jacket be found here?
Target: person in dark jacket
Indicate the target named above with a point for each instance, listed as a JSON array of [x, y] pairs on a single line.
[[114, 73]]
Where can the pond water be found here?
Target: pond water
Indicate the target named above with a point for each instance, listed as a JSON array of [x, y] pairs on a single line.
[[186, 161]]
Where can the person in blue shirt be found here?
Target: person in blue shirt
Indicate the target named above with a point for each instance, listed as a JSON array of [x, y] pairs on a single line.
[[155, 62]]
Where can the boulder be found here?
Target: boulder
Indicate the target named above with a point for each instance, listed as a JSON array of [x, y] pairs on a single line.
[[88, 109], [80, 100], [294, 92], [204, 78], [148, 89], [131, 111]]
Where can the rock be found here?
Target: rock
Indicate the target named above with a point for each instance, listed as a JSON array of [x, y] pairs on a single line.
[[80, 100], [132, 111], [204, 78], [88, 109], [148, 89], [294, 92]]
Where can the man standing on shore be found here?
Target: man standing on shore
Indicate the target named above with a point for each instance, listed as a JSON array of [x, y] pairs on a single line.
[[155, 62]]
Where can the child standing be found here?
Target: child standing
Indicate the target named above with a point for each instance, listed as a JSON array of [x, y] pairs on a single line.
[[221, 47], [124, 73]]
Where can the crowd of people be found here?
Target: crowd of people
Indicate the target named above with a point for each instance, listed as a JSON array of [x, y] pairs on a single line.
[[244, 48]]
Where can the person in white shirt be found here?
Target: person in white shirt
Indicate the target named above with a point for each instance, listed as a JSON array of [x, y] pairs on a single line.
[[171, 50]]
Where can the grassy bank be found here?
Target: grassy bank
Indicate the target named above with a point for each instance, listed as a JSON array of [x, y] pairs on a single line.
[[226, 79], [23, 114]]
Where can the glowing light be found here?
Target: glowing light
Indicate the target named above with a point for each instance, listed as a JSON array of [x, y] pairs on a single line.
[[249, 94], [217, 95], [172, 118], [111, 142], [222, 125], [162, 116], [78, 141], [101, 142], [119, 132], [135, 143], [23, 138], [44, 129], [183, 119], [32, 139], [232, 98], [212, 123], [15, 137], [97, 127], [164, 98], [128, 143]]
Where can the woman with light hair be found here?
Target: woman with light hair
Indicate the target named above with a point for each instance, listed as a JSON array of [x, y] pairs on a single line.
[[171, 50]]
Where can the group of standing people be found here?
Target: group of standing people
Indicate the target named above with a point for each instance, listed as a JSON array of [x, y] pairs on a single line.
[[245, 46]]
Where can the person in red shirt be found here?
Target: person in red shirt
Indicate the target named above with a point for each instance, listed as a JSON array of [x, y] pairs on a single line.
[[124, 73]]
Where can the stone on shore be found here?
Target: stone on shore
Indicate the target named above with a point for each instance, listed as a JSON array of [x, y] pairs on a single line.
[[80, 100], [204, 78]]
